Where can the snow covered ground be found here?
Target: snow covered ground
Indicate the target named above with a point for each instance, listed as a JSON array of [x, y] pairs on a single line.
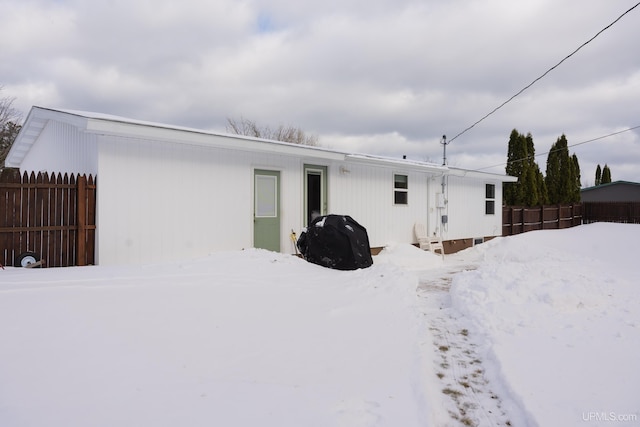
[[559, 312], [537, 329]]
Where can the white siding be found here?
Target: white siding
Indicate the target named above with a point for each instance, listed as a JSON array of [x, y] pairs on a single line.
[[159, 201], [62, 148], [365, 192], [466, 209], [172, 199], [434, 226]]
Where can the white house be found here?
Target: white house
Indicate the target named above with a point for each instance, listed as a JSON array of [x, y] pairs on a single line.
[[166, 192]]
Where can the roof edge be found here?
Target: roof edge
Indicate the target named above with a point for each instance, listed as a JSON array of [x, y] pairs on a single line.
[[105, 124], [608, 184], [33, 126]]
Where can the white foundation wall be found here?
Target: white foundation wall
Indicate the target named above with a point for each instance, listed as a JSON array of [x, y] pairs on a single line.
[[159, 201]]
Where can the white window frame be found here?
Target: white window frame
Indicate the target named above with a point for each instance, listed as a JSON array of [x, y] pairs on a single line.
[[398, 190], [489, 201], [266, 203]]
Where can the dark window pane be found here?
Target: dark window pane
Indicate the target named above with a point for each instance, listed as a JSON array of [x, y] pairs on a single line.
[[491, 191], [401, 181], [400, 197], [490, 207]]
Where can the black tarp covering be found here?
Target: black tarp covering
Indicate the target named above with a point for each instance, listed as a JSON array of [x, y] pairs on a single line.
[[336, 241]]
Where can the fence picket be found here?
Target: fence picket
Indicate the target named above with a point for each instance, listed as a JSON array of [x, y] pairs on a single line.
[[520, 219], [625, 212], [90, 247], [39, 214], [82, 235]]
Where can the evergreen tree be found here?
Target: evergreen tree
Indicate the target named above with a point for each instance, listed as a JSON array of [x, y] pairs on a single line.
[[575, 197], [530, 192], [530, 189], [561, 173], [568, 175], [598, 175], [552, 178], [530, 195], [542, 187], [606, 175], [516, 152]]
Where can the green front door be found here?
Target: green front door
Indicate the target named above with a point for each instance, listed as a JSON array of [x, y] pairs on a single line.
[[266, 210]]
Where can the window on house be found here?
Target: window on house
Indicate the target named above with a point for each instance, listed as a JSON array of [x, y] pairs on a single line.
[[400, 189], [490, 202]]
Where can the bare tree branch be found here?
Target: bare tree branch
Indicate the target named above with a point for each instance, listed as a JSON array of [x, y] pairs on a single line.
[[282, 133], [9, 126]]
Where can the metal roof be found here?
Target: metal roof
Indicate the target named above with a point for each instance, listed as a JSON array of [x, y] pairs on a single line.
[[610, 184]]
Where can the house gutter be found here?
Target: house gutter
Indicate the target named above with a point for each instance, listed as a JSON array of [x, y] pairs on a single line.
[[397, 163]]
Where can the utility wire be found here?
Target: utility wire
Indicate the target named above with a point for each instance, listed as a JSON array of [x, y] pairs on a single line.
[[545, 73], [568, 146]]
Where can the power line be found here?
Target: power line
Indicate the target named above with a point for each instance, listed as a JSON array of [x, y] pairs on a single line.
[[545, 73], [568, 146]]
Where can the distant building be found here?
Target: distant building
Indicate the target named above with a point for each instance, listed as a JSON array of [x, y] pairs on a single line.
[[618, 191]]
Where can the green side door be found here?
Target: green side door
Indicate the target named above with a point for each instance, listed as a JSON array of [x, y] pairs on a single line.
[[266, 210]]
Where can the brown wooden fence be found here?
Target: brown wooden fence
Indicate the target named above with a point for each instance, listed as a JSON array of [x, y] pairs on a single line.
[[626, 212], [519, 219], [53, 216]]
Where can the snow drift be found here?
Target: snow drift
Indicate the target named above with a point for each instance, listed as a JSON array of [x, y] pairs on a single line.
[[244, 338], [258, 338], [559, 312]]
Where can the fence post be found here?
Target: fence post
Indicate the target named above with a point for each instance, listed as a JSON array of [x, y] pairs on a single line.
[[81, 220], [511, 225], [507, 214]]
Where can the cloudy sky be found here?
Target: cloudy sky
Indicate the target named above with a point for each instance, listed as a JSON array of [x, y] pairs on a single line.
[[386, 77]]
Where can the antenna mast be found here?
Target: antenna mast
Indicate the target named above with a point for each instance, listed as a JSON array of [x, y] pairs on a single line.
[[444, 143]]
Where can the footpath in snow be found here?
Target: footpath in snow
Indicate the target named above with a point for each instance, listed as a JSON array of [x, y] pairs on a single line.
[[539, 329], [456, 380], [559, 311]]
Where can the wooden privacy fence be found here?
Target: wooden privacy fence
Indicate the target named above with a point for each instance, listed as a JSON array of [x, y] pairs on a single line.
[[626, 212], [53, 216], [520, 219]]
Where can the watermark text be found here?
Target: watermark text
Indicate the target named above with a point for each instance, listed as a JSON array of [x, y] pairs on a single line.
[[611, 417]]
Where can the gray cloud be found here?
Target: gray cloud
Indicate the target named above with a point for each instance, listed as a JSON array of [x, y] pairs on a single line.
[[379, 76]]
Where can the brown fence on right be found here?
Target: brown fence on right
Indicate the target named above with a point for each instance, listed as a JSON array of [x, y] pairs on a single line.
[[625, 212], [520, 219]]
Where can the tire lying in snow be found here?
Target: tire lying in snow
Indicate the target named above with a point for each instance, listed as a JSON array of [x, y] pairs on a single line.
[[336, 241], [26, 258]]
